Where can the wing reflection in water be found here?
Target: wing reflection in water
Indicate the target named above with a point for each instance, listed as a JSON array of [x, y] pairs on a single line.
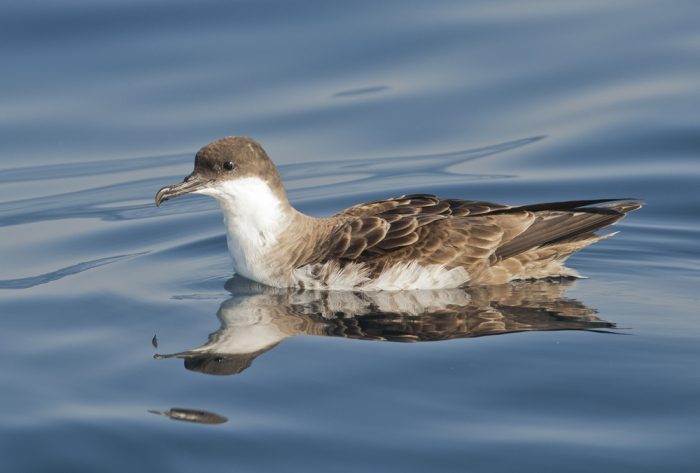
[[257, 318]]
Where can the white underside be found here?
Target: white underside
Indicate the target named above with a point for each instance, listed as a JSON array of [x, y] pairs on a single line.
[[254, 219], [355, 277]]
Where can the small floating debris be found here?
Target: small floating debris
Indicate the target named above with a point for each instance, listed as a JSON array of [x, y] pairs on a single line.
[[191, 415], [154, 341]]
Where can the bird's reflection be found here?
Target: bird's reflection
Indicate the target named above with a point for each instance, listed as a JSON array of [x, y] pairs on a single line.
[[257, 318]]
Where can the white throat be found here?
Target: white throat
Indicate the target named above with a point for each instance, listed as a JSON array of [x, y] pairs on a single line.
[[254, 217]]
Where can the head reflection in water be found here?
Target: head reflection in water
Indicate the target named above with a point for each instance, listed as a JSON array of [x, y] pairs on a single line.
[[257, 318]]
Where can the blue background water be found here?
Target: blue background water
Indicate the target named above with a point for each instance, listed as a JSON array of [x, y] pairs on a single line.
[[102, 103]]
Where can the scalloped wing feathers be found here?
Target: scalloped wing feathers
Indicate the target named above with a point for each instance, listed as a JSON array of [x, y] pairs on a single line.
[[475, 235]]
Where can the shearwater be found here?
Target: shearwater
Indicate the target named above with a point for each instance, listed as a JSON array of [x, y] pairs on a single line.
[[416, 241]]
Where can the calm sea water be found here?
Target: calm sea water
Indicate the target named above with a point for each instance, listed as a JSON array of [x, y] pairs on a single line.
[[113, 311]]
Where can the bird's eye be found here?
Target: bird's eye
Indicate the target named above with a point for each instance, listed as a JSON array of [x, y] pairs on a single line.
[[228, 165]]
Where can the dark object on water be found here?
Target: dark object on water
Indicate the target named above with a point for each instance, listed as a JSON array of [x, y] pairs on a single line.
[[192, 415], [154, 341]]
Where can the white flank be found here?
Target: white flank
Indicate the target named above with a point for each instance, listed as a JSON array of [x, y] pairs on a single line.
[[254, 218], [401, 276]]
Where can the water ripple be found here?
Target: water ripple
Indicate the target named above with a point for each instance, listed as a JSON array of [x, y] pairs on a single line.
[[360, 91], [32, 281], [108, 202]]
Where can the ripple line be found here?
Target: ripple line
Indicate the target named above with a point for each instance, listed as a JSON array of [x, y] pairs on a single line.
[[32, 281]]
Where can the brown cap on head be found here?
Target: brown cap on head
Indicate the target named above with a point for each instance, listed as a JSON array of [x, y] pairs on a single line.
[[233, 157]]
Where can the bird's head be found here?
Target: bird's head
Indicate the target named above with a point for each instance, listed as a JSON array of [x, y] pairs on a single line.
[[221, 164]]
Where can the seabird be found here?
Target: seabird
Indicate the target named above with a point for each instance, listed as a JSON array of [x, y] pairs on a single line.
[[416, 241]]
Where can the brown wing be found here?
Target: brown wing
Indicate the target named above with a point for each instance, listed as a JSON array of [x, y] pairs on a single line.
[[422, 204], [562, 222], [452, 232], [419, 228]]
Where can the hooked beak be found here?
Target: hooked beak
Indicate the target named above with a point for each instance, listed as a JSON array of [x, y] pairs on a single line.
[[192, 183]]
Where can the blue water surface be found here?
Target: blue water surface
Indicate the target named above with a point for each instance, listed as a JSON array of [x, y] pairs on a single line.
[[111, 307]]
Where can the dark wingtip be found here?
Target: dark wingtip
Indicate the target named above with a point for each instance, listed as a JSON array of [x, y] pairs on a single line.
[[573, 205], [625, 206]]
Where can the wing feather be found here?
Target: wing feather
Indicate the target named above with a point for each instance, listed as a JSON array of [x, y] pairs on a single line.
[[451, 232], [556, 226]]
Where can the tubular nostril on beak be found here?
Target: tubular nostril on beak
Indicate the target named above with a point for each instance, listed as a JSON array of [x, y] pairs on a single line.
[[191, 183]]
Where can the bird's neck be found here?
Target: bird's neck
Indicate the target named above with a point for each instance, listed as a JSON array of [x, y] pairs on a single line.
[[250, 205], [258, 219]]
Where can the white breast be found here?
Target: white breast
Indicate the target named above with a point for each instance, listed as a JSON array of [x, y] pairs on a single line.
[[254, 218]]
